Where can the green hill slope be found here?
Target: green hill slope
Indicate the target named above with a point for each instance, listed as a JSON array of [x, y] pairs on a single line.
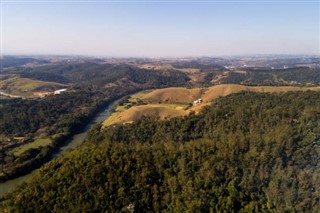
[[249, 152]]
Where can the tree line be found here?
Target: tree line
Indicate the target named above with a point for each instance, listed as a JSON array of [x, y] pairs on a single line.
[[248, 152]]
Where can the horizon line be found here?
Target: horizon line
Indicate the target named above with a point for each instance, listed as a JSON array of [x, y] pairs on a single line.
[[186, 56]]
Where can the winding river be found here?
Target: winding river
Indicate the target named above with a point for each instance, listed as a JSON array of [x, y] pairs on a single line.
[[75, 141]]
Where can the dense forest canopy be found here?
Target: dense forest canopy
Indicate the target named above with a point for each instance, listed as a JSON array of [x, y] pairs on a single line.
[[31, 130], [101, 74], [56, 118], [20, 117], [248, 152], [11, 61], [302, 76], [209, 71]]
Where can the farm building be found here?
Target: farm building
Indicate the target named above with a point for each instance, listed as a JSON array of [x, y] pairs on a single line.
[[198, 101], [57, 92]]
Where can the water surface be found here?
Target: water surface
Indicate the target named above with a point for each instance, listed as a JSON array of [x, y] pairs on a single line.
[[76, 140]]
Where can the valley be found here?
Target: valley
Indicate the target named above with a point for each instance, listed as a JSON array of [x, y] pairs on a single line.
[[236, 150], [15, 86], [198, 133], [173, 106], [76, 140]]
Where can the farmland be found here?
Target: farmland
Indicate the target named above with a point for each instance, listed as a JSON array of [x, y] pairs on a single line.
[[201, 135], [38, 142], [25, 87], [177, 101]]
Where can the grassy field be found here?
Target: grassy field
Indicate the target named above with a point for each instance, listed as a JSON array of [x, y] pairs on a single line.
[[173, 95], [215, 92], [132, 100], [135, 97], [39, 142], [25, 87], [113, 118], [172, 102], [129, 112], [161, 111]]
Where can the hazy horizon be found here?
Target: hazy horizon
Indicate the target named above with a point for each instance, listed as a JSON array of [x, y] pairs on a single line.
[[159, 57], [160, 29]]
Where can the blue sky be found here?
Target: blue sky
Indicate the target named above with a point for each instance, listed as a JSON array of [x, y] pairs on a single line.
[[155, 29]]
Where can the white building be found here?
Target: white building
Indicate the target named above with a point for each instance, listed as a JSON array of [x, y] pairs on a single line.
[[198, 101], [57, 92]]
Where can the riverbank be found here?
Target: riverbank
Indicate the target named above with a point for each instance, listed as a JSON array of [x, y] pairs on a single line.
[[64, 145]]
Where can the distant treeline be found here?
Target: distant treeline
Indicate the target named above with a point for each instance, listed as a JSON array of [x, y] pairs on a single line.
[[248, 152], [198, 65], [11, 61], [99, 75], [303, 76]]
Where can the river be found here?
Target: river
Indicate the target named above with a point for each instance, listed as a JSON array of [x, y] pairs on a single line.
[[75, 141]]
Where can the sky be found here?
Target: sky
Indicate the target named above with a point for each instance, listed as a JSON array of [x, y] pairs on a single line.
[[160, 28]]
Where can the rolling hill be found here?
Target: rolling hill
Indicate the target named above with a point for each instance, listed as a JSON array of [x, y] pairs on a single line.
[[173, 95], [250, 152], [159, 111], [26, 87], [162, 103]]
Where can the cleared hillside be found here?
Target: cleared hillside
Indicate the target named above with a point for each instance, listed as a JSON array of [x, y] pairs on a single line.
[[250, 152], [173, 95], [161, 111], [26, 87], [215, 92], [162, 103]]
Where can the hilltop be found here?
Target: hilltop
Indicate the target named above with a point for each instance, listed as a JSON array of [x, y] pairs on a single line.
[[177, 101], [25, 87], [249, 152]]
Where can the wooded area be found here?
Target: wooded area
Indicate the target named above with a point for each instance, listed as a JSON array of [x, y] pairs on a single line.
[[248, 152], [58, 117]]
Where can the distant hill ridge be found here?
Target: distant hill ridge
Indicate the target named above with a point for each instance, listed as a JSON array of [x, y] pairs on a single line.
[[185, 96]]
